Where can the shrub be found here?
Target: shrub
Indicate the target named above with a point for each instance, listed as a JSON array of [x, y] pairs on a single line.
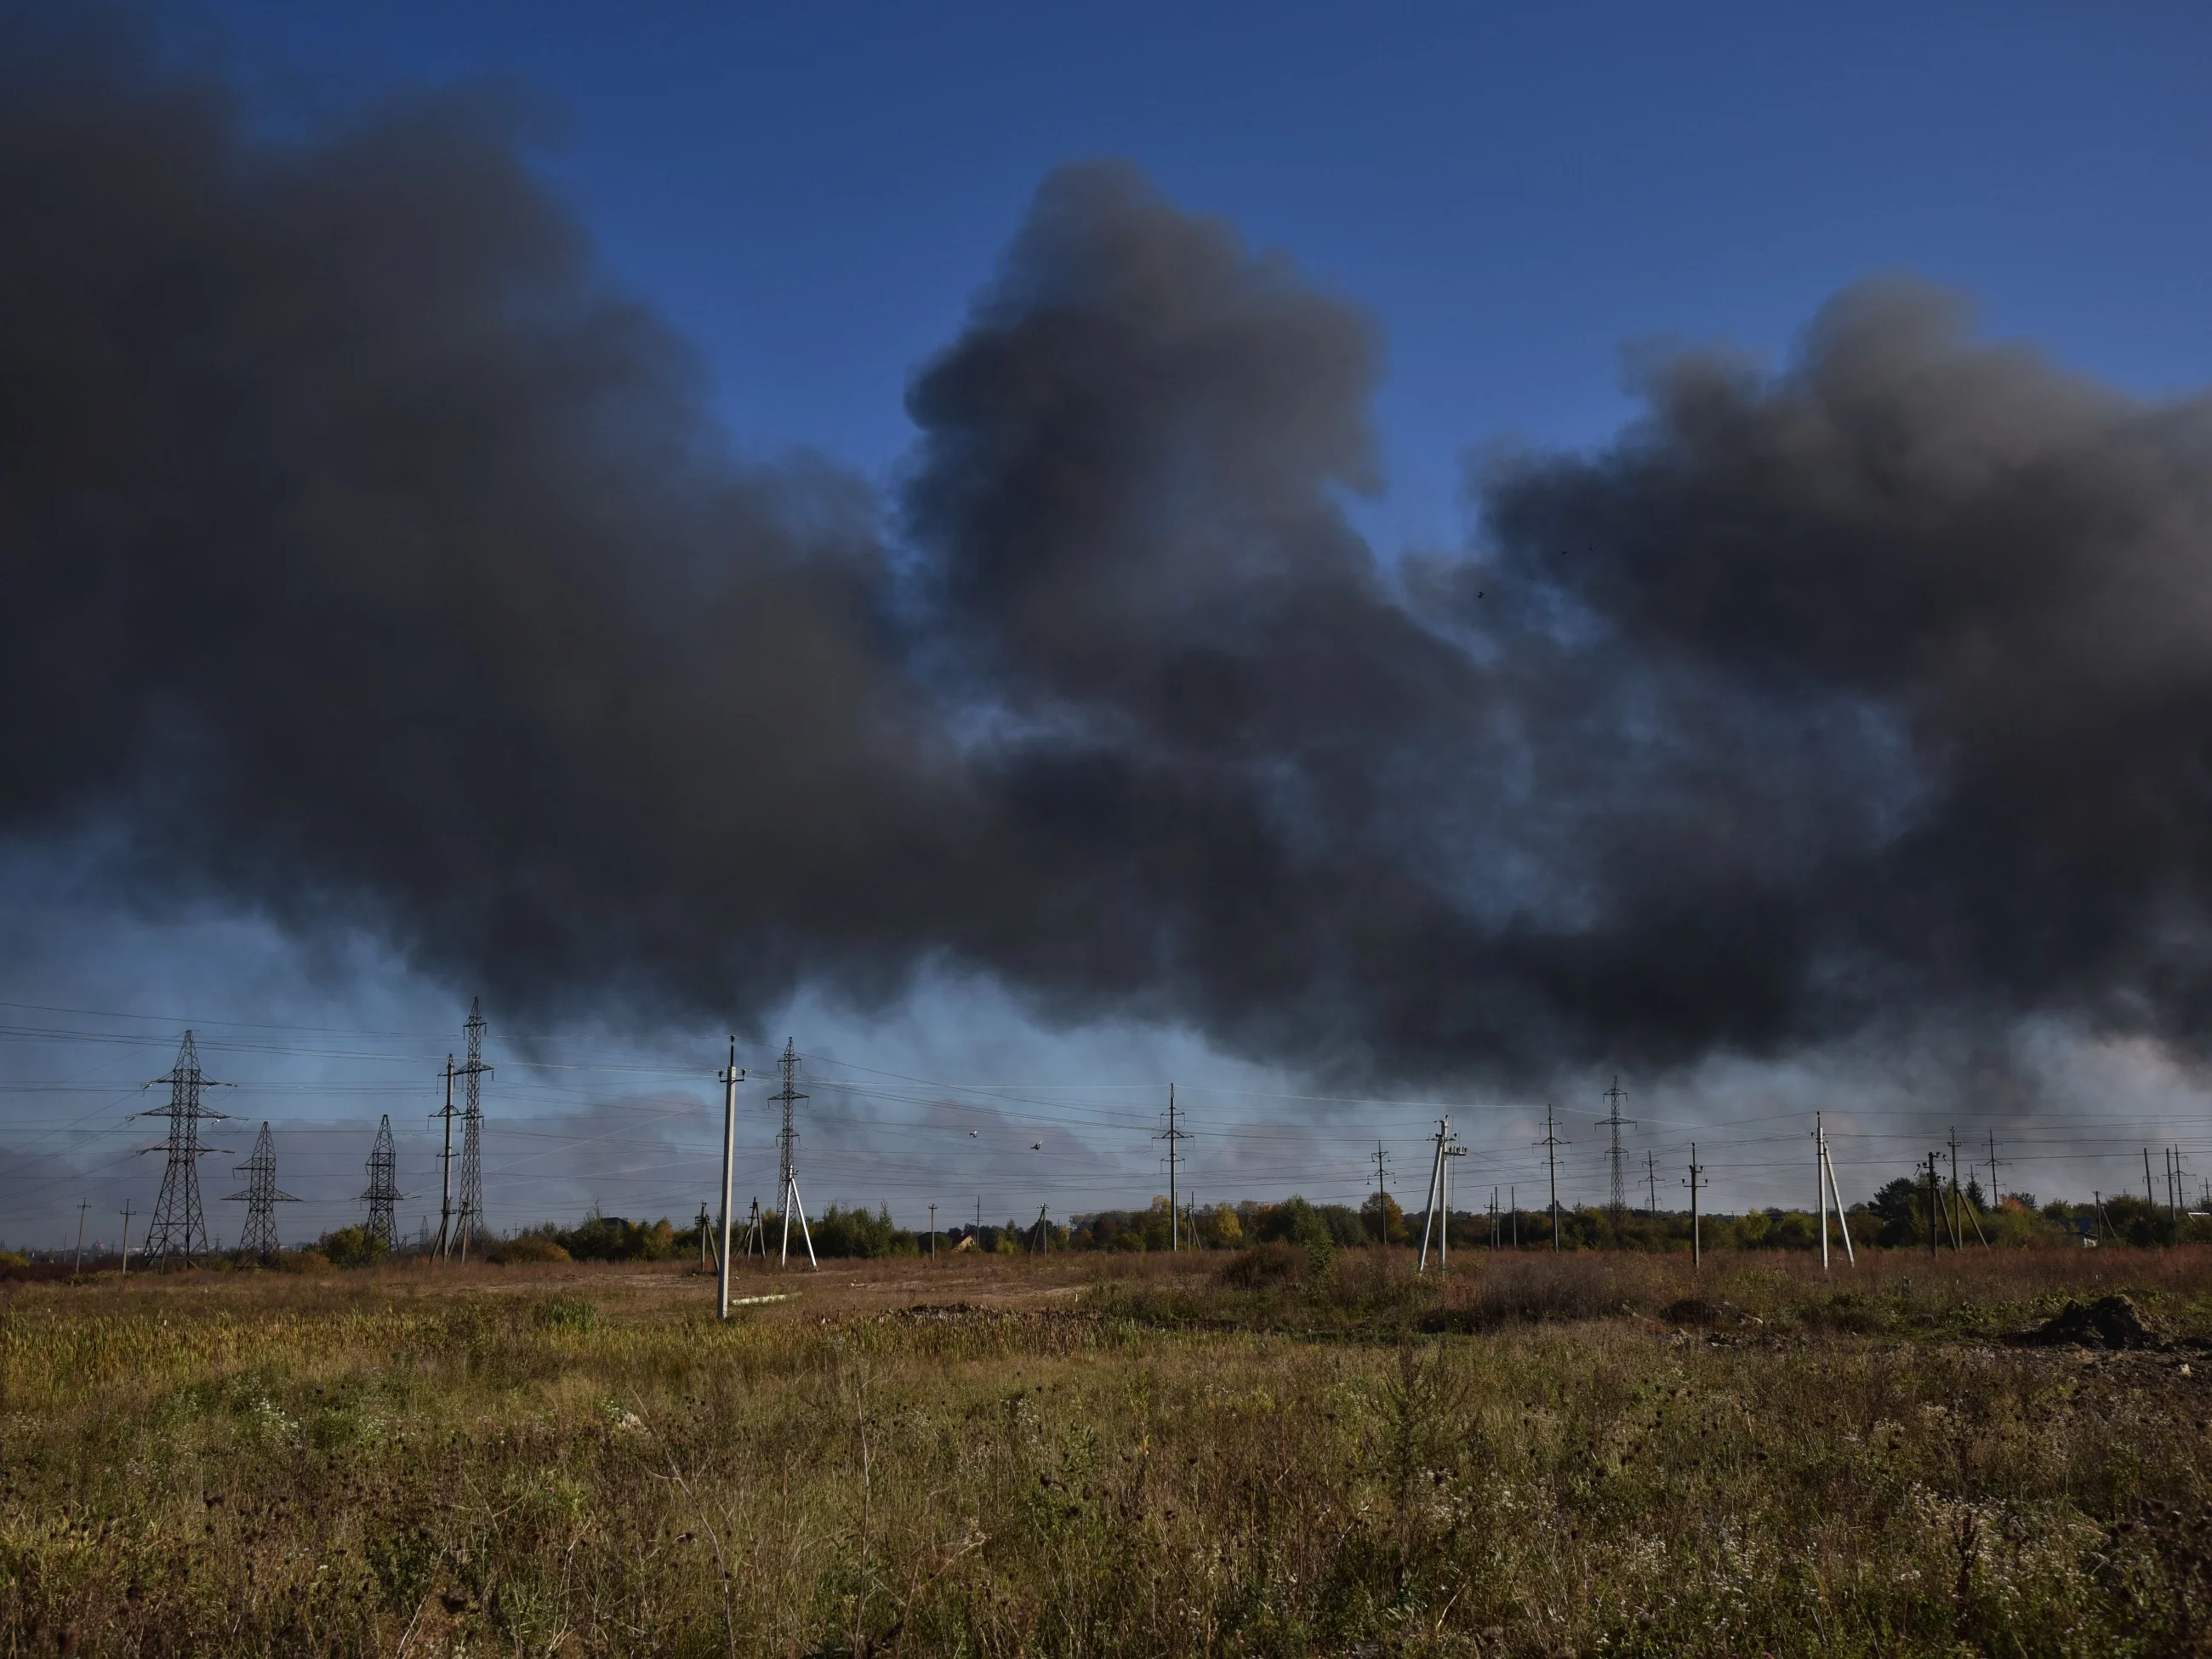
[[529, 1247], [352, 1247], [610, 1238], [1276, 1262], [1294, 1221]]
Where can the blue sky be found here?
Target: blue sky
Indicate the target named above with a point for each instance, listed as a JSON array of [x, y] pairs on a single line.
[[811, 194]]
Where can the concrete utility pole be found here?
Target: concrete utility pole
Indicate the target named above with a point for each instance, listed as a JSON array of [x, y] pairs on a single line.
[[1832, 1191], [1697, 1174], [1996, 1196], [1438, 1214], [83, 1206], [1172, 1136], [446, 1168], [1955, 1210], [126, 1241], [1651, 1179], [1043, 1235], [1382, 1215], [1513, 1209], [1935, 1222], [1821, 1185], [1550, 1143], [932, 1232], [1824, 1181], [1429, 1202], [730, 1079], [2148, 1198]]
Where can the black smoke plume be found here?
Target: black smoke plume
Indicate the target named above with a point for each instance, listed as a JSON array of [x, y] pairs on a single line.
[[371, 559]]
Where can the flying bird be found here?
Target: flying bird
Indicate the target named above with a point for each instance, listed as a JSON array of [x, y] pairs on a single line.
[[1036, 1145]]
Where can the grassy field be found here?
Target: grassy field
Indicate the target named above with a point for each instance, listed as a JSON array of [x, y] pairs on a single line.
[[1111, 1455]]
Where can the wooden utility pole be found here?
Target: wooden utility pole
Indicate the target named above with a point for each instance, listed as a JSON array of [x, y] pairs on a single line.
[[932, 1232], [1935, 1222]]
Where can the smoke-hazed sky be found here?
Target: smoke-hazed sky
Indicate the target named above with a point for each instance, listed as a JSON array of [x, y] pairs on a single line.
[[384, 583]]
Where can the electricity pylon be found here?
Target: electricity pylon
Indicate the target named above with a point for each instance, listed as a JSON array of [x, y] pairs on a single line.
[[1618, 1207], [788, 1143], [1172, 1136], [469, 1221], [261, 1198], [179, 1225], [383, 1187]]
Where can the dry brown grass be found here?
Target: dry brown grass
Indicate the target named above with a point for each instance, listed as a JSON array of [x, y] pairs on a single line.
[[1094, 1454]]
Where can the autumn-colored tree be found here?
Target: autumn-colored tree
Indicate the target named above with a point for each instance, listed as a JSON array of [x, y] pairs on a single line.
[[1385, 1222]]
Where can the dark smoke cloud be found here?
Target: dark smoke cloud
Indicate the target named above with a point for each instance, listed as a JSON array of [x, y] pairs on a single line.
[[372, 560]]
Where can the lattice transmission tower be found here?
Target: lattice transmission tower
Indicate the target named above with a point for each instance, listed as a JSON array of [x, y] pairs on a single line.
[[468, 1221], [179, 1227], [788, 1151], [384, 1188], [261, 1198], [1613, 1121]]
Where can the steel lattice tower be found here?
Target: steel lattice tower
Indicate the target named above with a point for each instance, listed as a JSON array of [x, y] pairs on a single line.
[[179, 1225], [261, 1198], [1613, 1121], [468, 1221], [383, 1187], [788, 1148]]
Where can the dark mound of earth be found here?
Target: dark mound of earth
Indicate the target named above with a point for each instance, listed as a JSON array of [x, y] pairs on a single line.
[[2110, 1321]]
